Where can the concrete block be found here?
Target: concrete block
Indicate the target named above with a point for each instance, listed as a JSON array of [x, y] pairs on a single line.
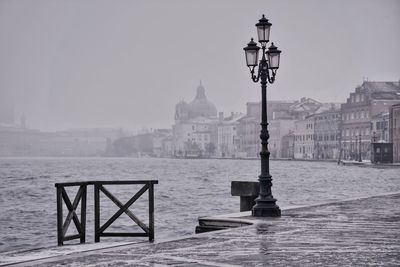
[[248, 192], [244, 189]]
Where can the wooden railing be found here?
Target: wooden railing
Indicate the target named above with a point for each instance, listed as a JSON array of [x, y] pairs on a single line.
[[81, 195]]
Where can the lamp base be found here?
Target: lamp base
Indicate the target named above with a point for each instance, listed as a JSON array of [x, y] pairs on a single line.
[[266, 208]]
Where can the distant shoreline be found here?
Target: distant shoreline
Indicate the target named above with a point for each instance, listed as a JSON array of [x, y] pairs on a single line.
[[348, 163]]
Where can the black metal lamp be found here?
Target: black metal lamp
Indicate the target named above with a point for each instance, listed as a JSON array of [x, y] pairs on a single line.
[[263, 29], [251, 53], [267, 67], [274, 55]]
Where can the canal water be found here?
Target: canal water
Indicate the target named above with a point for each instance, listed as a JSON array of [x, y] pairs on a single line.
[[187, 189]]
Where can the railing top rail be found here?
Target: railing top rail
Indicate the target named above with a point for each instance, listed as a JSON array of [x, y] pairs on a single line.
[[125, 182], [107, 182], [70, 184]]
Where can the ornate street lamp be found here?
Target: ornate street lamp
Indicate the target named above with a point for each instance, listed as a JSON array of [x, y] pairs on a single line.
[[267, 67]]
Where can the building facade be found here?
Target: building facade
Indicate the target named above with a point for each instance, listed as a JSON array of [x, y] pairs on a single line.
[[367, 101], [394, 125], [287, 150], [277, 130], [327, 134], [304, 138], [18, 141], [380, 127], [249, 137], [227, 135]]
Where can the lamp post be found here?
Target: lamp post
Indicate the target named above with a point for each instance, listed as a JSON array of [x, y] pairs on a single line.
[[373, 141], [351, 148], [359, 148], [355, 148], [383, 129], [267, 67]]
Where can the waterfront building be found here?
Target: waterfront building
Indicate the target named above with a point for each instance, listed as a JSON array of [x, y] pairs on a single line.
[[227, 135], [282, 116], [195, 127], [287, 149], [280, 123], [304, 107], [327, 134], [276, 109], [155, 143], [394, 128], [380, 127], [307, 106], [367, 101], [18, 141], [277, 130], [162, 143], [304, 138], [249, 136]]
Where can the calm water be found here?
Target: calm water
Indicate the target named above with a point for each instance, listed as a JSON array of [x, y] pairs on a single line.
[[187, 189]]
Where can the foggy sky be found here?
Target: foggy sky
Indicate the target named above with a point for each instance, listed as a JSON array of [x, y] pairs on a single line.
[[127, 63]]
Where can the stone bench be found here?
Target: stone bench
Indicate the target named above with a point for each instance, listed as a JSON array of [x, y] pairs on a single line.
[[248, 192]]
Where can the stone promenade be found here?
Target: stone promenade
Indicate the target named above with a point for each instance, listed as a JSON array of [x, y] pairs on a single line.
[[362, 232]]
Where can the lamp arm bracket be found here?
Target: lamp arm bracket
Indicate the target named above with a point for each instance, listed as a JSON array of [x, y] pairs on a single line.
[[254, 77], [271, 76]]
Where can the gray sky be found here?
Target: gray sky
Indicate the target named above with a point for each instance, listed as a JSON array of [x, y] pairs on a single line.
[[127, 63]]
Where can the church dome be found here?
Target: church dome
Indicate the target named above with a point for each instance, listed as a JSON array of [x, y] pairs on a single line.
[[200, 106]]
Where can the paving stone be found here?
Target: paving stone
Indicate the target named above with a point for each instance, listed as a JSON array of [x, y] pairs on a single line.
[[363, 232]]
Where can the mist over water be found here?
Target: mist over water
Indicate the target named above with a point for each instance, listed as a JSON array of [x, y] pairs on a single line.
[[74, 64]]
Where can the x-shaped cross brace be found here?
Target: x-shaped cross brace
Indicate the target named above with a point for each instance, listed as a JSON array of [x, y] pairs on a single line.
[[72, 211], [124, 209]]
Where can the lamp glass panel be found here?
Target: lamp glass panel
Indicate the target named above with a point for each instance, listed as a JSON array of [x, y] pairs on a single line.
[[274, 60], [251, 57], [263, 33]]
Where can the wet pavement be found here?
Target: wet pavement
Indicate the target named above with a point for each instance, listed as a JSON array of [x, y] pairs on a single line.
[[351, 233]]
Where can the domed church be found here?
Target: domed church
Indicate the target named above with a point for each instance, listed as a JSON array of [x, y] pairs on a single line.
[[200, 106], [195, 123]]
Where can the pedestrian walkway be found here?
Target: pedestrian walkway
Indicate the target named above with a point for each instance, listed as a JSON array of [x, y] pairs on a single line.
[[351, 233]]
